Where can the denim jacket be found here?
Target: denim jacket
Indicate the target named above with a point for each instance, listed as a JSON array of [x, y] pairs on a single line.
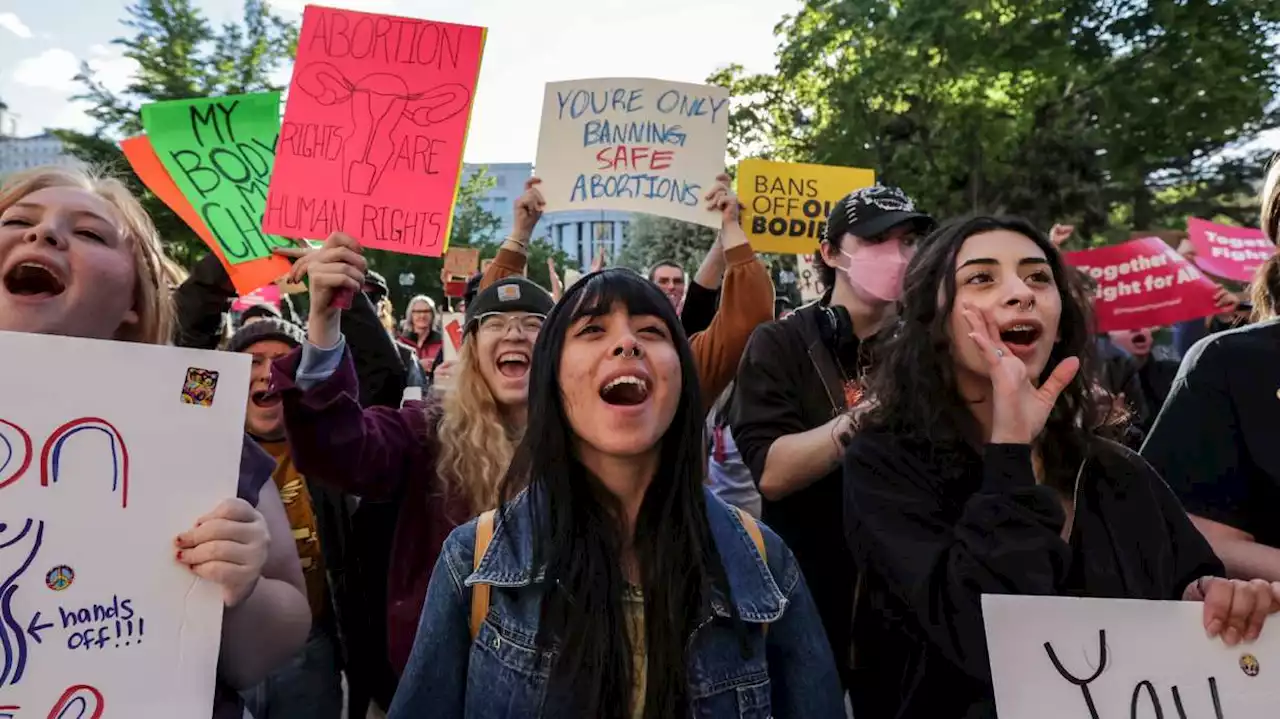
[[789, 672]]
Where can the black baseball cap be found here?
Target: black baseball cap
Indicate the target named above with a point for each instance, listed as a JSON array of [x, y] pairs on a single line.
[[871, 211], [511, 294], [377, 282]]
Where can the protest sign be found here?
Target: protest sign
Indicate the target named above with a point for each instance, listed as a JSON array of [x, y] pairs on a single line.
[[1232, 253], [632, 145], [1068, 658], [266, 295], [374, 130], [452, 323], [1144, 283], [96, 481], [461, 262], [787, 204], [809, 281], [219, 151], [246, 276]]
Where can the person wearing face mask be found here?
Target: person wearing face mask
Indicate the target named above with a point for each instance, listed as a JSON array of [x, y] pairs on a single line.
[[801, 376]]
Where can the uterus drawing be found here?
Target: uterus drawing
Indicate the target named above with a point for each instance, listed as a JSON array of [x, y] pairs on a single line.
[[379, 103]]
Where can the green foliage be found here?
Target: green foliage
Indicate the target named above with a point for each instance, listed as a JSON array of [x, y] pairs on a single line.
[[1079, 111], [654, 239], [179, 56]]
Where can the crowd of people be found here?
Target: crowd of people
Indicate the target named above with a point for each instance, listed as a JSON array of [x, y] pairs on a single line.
[[647, 496]]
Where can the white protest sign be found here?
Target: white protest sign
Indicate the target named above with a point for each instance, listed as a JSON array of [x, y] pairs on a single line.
[[808, 279], [1070, 658], [633, 145], [109, 450]]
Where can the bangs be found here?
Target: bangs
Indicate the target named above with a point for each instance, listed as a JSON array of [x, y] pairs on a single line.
[[620, 287]]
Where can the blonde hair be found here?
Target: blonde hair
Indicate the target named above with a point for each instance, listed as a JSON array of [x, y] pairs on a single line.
[[151, 297], [387, 315], [475, 445], [1271, 202]]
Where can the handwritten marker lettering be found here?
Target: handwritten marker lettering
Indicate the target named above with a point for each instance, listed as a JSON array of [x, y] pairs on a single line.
[[632, 145]]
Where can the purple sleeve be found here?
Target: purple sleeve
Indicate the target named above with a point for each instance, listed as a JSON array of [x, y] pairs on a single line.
[[367, 452]]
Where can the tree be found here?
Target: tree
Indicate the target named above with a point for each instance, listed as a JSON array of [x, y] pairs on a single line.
[[1112, 115], [179, 56], [473, 226], [654, 239]]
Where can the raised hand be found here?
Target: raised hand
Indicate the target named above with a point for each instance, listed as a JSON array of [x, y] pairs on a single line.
[[1060, 234], [227, 546], [721, 198], [528, 208], [336, 266], [601, 261], [557, 286], [1019, 407]]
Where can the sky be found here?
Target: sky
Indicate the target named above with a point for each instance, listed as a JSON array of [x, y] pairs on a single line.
[[42, 43]]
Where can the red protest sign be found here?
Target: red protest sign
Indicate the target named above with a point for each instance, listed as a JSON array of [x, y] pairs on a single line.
[[1144, 283], [374, 130], [1233, 253]]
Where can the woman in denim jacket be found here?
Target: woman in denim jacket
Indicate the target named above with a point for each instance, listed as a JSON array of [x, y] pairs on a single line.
[[620, 586]]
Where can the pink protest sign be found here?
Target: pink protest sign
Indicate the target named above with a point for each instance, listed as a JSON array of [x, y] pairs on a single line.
[[374, 130], [1233, 253], [1144, 283], [266, 295]]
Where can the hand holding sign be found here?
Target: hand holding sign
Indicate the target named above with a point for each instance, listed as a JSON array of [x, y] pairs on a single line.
[[1020, 409], [722, 199], [338, 266], [228, 546], [1234, 609], [529, 208]]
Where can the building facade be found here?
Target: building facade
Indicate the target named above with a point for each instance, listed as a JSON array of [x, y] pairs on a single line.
[[578, 233], [24, 153]]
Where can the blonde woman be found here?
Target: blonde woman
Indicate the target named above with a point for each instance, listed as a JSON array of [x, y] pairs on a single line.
[[444, 458], [80, 257]]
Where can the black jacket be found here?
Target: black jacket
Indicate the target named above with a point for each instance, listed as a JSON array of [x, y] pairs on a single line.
[[934, 530], [789, 382], [1217, 440]]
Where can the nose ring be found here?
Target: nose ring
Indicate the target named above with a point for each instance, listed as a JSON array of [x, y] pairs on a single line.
[[630, 353]]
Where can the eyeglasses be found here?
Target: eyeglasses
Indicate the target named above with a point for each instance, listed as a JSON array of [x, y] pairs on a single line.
[[500, 323]]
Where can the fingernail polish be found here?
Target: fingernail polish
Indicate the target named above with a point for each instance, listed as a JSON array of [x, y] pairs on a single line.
[[179, 555]]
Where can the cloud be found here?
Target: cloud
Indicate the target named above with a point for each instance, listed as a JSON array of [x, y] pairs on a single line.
[[14, 24], [53, 69]]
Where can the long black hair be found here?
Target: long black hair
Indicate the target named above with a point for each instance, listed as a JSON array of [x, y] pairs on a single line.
[[913, 381], [577, 527]]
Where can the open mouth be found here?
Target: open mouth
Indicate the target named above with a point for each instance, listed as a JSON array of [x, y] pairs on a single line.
[[1140, 340], [265, 399], [513, 364], [625, 391], [31, 279], [1021, 335]]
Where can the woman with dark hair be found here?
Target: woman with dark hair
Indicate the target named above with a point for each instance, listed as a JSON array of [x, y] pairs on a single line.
[[982, 467], [620, 586]]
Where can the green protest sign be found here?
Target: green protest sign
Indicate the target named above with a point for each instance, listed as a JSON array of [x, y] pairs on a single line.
[[219, 151]]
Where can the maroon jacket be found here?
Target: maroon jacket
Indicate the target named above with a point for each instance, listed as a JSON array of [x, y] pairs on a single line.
[[376, 453]]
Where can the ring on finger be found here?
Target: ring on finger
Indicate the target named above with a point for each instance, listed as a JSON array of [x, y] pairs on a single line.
[[999, 353]]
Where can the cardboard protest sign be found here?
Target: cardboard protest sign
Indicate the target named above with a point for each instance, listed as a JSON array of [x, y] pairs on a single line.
[[787, 203], [632, 145], [96, 481], [1144, 283], [461, 262], [219, 151], [1233, 253], [246, 276], [374, 130], [1068, 658], [452, 323], [809, 281]]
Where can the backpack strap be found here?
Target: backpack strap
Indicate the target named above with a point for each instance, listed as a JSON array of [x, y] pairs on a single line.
[[480, 592], [757, 537]]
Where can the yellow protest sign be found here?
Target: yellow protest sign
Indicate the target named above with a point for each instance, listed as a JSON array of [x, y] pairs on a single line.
[[787, 203]]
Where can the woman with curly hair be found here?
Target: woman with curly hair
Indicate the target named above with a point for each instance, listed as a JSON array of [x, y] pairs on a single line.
[[982, 466]]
